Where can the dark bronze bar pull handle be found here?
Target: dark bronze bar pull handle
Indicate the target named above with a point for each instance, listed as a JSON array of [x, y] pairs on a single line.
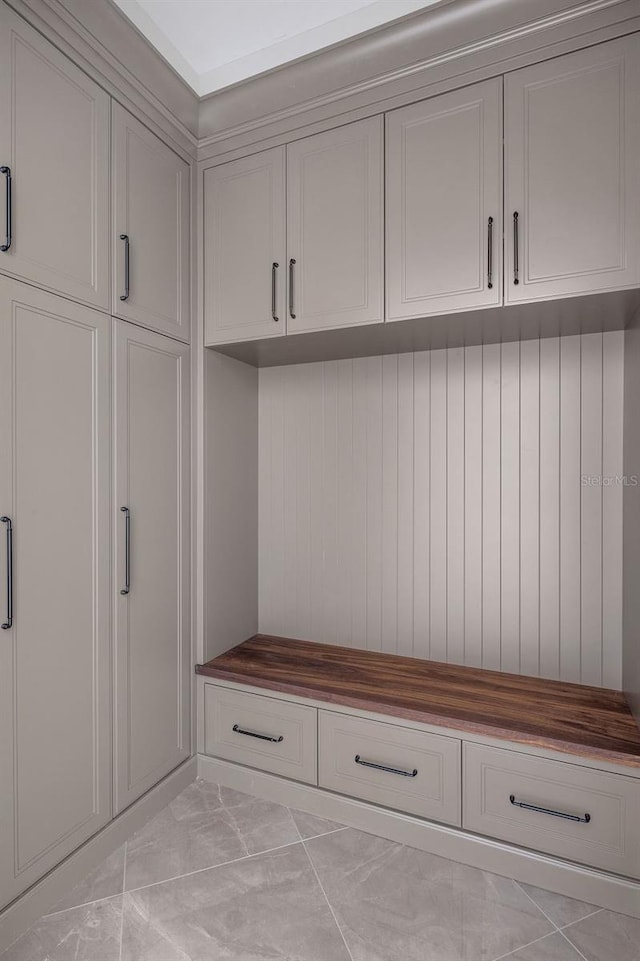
[[125, 296], [127, 550], [490, 253], [274, 267], [383, 767], [516, 266], [292, 264], [9, 621], [8, 217], [555, 814], [262, 737]]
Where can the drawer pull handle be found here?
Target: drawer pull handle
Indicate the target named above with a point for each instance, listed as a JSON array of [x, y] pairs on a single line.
[[383, 767], [263, 737], [6, 171], [274, 268], [555, 814], [490, 253]]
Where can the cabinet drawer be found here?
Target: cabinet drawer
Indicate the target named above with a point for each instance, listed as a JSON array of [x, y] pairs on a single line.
[[587, 815], [391, 765], [261, 732]]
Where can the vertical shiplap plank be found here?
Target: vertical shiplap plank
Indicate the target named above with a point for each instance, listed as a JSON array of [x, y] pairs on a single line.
[[455, 505], [291, 414], [473, 506], [570, 496], [421, 421], [302, 440], [530, 507], [491, 522], [438, 506], [330, 501], [405, 500], [612, 466], [345, 499], [374, 503], [510, 508], [316, 494], [591, 508], [550, 507], [390, 503], [265, 445], [360, 484]]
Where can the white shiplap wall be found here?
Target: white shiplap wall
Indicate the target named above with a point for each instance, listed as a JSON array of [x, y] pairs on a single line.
[[431, 504]]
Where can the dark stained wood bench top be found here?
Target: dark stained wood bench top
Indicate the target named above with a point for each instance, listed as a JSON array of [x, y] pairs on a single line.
[[587, 721]]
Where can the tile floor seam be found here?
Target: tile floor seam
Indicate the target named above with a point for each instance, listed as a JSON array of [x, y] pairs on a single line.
[[570, 924], [329, 905], [535, 903], [573, 924], [509, 954], [211, 867]]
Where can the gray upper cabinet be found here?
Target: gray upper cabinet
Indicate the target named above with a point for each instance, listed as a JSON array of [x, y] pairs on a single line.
[[572, 141], [335, 209], [54, 155], [444, 203], [151, 551], [150, 229], [245, 249], [55, 664]]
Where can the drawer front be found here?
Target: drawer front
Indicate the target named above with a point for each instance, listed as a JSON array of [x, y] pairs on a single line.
[[261, 732], [587, 815], [414, 771]]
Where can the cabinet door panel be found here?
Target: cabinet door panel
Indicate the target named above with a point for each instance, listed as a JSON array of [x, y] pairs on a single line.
[[152, 621], [572, 139], [244, 237], [54, 137], [444, 182], [151, 208], [334, 228], [55, 742]]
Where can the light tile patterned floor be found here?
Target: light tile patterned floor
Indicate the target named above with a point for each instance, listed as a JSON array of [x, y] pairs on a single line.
[[222, 876]]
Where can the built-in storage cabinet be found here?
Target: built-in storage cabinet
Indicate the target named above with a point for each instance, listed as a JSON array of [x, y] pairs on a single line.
[[572, 141], [565, 809], [245, 249], [335, 228], [444, 203], [54, 164], [150, 229], [55, 713], [151, 551]]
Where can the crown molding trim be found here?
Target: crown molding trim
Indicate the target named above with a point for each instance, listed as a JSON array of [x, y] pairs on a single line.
[[452, 40], [101, 41]]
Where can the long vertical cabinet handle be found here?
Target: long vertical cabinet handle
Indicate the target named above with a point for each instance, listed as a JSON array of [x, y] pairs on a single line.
[[292, 264], [9, 621], [8, 216], [516, 266], [490, 253], [125, 296], [274, 268], [127, 550]]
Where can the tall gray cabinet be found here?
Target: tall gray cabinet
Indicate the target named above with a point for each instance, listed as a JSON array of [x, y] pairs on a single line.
[[94, 417]]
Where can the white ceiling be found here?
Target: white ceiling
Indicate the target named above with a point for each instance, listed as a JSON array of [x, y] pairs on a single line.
[[215, 43]]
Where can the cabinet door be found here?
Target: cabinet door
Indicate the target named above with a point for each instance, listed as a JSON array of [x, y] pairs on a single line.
[[54, 144], [334, 228], [572, 140], [55, 711], [151, 550], [150, 229], [244, 249], [444, 203]]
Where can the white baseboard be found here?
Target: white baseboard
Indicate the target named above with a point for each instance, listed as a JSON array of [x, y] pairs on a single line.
[[572, 880], [17, 917]]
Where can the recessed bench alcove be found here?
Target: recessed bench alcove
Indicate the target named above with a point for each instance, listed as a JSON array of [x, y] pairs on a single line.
[[546, 765]]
